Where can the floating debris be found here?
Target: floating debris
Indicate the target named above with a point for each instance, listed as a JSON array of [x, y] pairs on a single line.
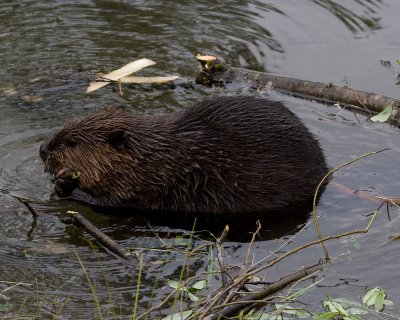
[[121, 75]]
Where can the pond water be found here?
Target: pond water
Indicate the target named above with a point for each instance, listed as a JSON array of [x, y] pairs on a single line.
[[50, 51]]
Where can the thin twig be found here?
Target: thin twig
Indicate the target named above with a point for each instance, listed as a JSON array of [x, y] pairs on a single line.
[[337, 236], [138, 287], [79, 221], [391, 201], [322, 182], [255, 233], [290, 240], [158, 307], [25, 202], [221, 263], [233, 293]]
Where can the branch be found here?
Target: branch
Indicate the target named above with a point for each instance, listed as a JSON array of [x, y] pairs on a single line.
[[25, 202], [322, 182], [253, 299], [79, 221], [324, 92], [221, 263]]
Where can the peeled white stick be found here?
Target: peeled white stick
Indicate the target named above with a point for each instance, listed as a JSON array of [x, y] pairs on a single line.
[[148, 79], [120, 73]]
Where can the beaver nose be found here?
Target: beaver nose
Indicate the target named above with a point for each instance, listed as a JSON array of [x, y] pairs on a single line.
[[44, 150]]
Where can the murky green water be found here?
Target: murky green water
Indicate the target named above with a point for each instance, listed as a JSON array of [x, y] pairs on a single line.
[[51, 49]]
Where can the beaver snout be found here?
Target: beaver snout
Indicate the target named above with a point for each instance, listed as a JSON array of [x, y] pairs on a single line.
[[66, 180], [44, 150]]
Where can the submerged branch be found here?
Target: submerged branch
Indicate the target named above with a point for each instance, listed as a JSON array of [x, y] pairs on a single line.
[[26, 203], [79, 221]]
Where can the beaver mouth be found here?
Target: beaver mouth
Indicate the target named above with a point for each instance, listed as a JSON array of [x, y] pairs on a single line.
[[66, 180], [67, 173], [53, 167]]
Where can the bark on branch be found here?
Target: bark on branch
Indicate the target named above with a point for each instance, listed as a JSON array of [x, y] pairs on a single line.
[[325, 92], [261, 297]]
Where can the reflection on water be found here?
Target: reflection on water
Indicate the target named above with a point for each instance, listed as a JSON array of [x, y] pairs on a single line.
[[52, 31], [50, 50], [348, 16]]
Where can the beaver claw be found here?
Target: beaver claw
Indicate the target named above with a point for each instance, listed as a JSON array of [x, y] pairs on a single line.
[[66, 181]]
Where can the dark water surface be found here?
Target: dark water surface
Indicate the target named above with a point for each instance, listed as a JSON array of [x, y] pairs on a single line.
[[51, 49]]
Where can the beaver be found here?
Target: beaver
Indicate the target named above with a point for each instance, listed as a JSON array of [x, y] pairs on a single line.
[[237, 154]]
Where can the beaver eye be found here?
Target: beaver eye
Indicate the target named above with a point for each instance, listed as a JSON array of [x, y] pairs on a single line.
[[70, 143], [118, 139]]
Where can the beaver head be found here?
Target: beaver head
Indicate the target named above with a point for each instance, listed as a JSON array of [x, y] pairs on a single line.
[[101, 147]]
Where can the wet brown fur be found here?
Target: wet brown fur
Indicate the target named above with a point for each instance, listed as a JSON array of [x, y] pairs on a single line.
[[225, 155]]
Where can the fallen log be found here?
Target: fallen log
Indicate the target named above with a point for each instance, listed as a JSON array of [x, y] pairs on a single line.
[[213, 73]]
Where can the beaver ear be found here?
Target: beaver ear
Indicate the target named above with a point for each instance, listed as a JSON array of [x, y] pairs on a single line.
[[118, 139]]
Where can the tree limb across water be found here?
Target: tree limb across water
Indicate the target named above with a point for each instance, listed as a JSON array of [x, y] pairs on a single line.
[[324, 92]]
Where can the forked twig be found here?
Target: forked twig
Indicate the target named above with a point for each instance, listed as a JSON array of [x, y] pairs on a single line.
[[322, 182]]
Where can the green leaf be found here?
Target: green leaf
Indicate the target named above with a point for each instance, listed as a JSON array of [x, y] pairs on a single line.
[[325, 316], [298, 313], [370, 296], [388, 303], [192, 297], [255, 278], [357, 245], [302, 291], [376, 297], [398, 61], [357, 311], [260, 316], [346, 302], [380, 297], [210, 264], [199, 285], [335, 306], [179, 241], [76, 175], [250, 313], [5, 307], [173, 284], [179, 315], [384, 115]]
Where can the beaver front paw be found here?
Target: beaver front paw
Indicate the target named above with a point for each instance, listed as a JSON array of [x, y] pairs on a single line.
[[66, 180]]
